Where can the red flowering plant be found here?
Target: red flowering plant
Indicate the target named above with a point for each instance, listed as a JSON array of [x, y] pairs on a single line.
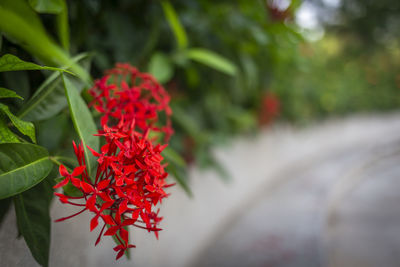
[[129, 180]]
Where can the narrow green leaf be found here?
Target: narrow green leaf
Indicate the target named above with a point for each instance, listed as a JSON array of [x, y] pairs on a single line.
[[6, 135], [7, 93], [212, 60], [83, 121], [21, 167], [171, 156], [33, 219], [188, 123], [49, 98], [4, 207], [10, 62], [174, 23], [161, 67], [25, 127], [63, 26], [180, 177], [47, 6]]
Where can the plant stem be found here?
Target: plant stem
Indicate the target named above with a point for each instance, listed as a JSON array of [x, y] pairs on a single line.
[[55, 161]]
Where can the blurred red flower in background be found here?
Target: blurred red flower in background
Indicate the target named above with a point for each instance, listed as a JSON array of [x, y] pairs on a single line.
[[270, 108]]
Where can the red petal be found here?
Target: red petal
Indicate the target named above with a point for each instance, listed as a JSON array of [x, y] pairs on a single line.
[[156, 234], [123, 206], [112, 230], [119, 180], [78, 170], [108, 219], [62, 198], [94, 152], [63, 171], [149, 188], [62, 183], [124, 234], [87, 187], [76, 182], [103, 184], [94, 222], [106, 197], [75, 148], [135, 214], [120, 254], [90, 204], [119, 247]]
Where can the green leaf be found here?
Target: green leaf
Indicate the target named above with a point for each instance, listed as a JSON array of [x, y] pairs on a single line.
[[6, 135], [27, 128], [33, 219], [19, 82], [83, 122], [161, 68], [174, 23], [49, 98], [188, 124], [4, 207], [7, 93], [180, 175], [10, 62], [53, 132], [171, 156], [212, 60], [47, 6], [20, 24], [21, 167], [63, 26]]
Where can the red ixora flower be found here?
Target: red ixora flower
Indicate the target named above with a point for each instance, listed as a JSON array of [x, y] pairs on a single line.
[[126, 92], [130, 178]]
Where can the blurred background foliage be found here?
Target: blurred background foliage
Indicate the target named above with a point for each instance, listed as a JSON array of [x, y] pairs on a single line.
[[230, 66]]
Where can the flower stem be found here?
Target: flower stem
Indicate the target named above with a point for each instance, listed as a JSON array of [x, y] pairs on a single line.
[[55, 161]]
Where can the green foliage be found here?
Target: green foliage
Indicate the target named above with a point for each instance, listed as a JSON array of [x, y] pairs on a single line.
[[4, 207], [33, 218], [21, 167], [7, 93], [47, 6], [12, 63], [6, 135], [27, 128], [63, 26], [49, 98], [83, 122], [161, 67], [213, 60], [21, 25], [175, 24], [327, 79]]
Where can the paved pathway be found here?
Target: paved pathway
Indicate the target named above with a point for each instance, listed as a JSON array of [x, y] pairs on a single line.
[[326, 195]]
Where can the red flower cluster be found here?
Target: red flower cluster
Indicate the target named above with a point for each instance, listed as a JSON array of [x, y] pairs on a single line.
[[126, 92], [130, 178]]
